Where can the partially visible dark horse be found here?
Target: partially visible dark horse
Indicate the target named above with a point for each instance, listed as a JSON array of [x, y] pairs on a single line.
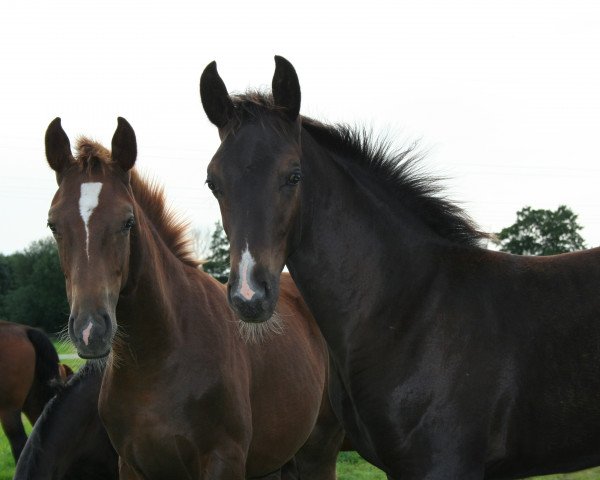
[[450, 361], [28, 366], [183, 395], [69, 442]]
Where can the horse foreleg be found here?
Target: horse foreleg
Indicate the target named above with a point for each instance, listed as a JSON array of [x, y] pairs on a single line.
[[316, 460], [14, 430]]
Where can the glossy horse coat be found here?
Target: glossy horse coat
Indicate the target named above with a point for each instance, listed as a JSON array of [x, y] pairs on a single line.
[[29, 364], [449, 360], [69, 442], [183, 395]]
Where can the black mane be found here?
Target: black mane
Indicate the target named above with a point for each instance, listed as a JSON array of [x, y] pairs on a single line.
[[396, 170], [62, 389]]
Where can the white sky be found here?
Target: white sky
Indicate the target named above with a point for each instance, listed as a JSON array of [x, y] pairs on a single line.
[[505, 95]]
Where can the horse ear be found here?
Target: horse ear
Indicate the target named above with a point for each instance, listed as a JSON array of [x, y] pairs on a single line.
[[215, 99], [124, 145], [286, 87], [58, 147]]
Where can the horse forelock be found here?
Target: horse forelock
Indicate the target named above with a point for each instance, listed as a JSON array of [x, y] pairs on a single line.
[[91, 156], [256, 106]]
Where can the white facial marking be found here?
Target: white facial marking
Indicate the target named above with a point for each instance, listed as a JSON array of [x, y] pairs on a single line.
[[88, 201], [86, 333], [245, 268]]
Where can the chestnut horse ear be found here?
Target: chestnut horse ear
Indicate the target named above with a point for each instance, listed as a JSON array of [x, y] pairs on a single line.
[[286, 87], [215, 99], [58, 147], [124, 145]]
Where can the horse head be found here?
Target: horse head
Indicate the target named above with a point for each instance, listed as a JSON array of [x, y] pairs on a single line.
[[256, 177], [92, 217]]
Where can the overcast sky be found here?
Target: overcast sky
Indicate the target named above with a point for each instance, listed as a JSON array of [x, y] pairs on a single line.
[[504, 95]]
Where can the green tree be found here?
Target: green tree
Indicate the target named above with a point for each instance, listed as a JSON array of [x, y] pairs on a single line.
[[542, 232], [217, 263], [36, 290]]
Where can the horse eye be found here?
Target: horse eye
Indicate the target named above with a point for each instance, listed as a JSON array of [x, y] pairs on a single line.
[[211, 186], [52, 227], [129, 224], [294, 179]]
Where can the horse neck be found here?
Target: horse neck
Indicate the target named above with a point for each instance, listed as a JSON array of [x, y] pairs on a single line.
[[354, 247], [147, 313]]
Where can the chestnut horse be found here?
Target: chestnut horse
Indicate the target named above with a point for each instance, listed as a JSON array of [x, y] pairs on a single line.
[[29, 365], [69, 442], [183, 395], [449, 361]]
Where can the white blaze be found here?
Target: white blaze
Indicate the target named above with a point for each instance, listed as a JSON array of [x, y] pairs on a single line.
[[88, 201], [246, 265]]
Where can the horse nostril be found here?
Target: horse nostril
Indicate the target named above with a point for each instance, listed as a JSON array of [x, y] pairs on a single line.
[[107, 325]]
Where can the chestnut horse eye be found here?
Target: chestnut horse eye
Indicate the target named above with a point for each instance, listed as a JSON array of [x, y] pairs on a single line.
[[52, 227], [129, 224], [294, 179]]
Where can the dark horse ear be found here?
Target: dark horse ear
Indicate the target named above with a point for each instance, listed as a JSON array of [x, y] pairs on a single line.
[[124, 145], [286, 87], [215, 99], [58, 147]]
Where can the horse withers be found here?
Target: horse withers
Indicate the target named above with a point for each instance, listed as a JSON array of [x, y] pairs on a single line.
[[30, 375], [448, 360], [183, 395]]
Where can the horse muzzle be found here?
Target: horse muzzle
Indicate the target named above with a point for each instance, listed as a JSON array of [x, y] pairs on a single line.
[[92, 334], [253, 306]]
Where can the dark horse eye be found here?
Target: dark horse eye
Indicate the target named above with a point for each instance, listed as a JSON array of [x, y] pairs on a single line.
[[294, 179], [52, 227], [210, 185], [129, 224]]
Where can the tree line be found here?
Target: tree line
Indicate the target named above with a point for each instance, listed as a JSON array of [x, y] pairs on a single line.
[[32, 286]]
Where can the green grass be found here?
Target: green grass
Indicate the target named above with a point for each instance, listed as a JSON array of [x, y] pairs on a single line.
[[351, 466], [7, 464]]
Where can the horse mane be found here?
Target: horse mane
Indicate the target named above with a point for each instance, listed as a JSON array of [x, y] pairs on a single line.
[[149, 194], [398, 171], [61, 388]]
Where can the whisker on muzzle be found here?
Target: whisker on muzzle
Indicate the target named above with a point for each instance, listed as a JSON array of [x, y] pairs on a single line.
[[254, 333]]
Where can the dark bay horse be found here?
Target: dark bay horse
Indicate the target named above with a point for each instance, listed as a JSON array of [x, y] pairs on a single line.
[[28, 366], [69, 442], [450, 361], [183, 395]]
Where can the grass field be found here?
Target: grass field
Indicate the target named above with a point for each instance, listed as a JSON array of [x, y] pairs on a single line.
[[350, 465]]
